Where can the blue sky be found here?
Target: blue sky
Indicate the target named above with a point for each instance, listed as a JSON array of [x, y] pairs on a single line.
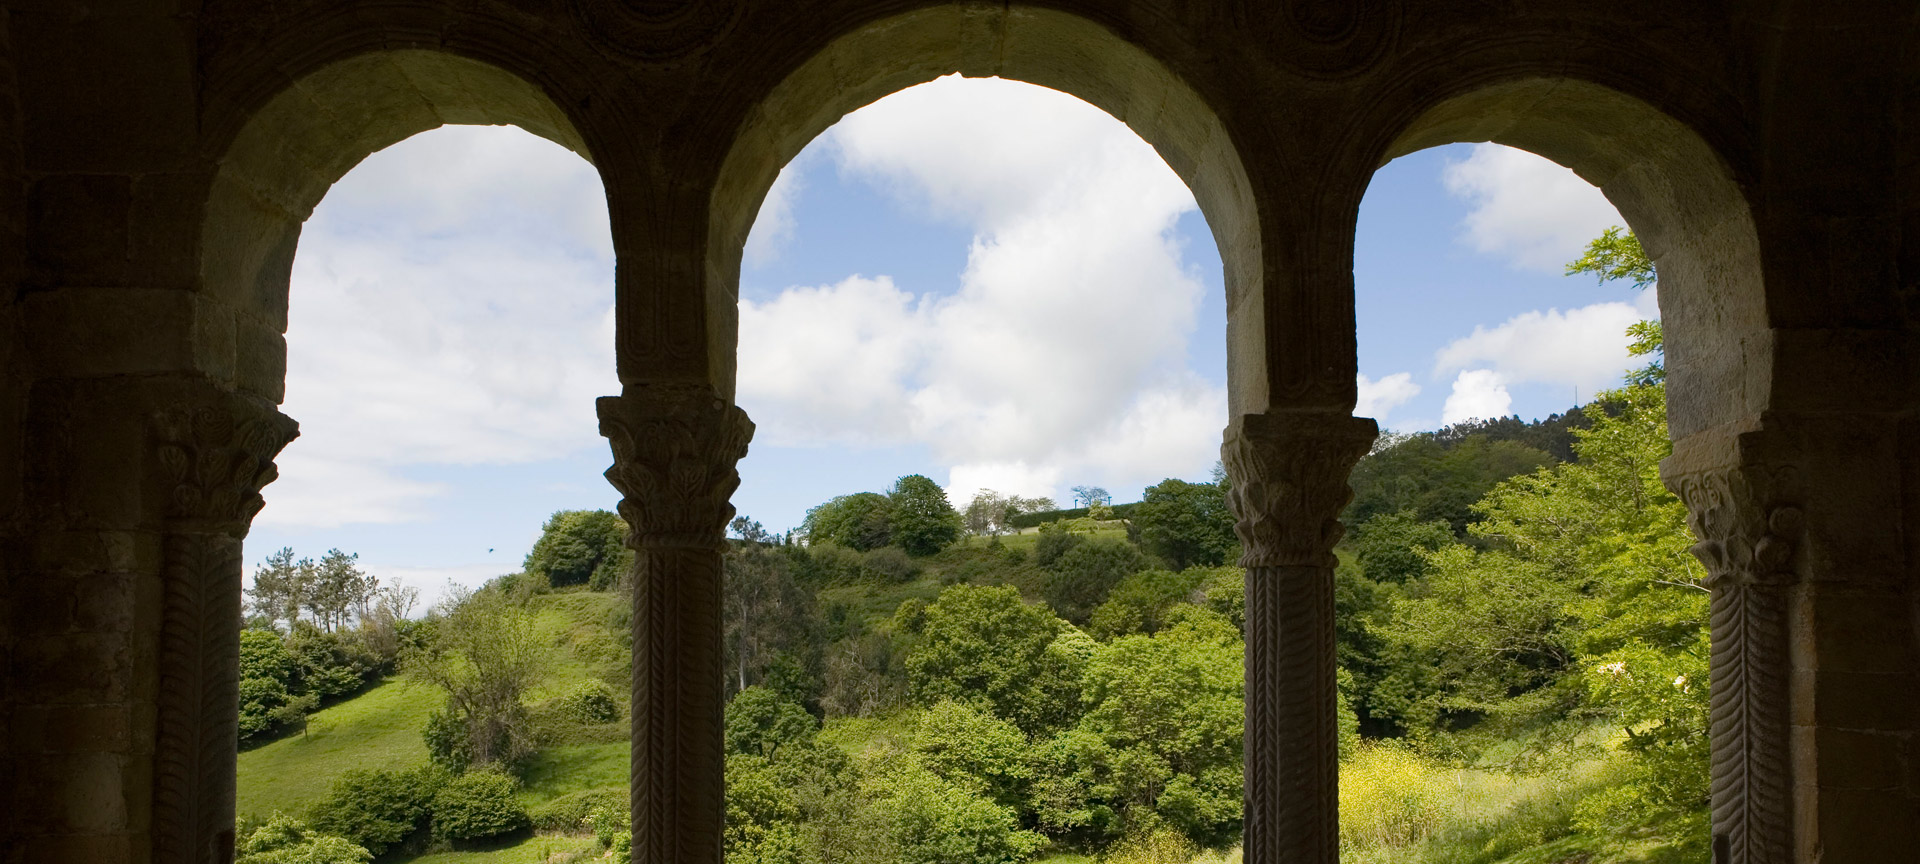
[[992, 284]]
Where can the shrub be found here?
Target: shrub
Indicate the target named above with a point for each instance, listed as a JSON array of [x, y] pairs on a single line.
[[1055, 540], [891, 564], [760, 721], [576, 811], [590, 702], [378, 809], [286, 840], [478, 805], [1082, 577], [447, 743]]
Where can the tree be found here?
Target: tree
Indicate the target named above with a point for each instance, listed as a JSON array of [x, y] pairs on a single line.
[[281, 586], [1186, 524], [581, 547], [1081, 577], [924, 522], [266, 680], [486, 656], [987, 646], [991, 513], [760, 722], [1168, 710], [337, 589], [862, 521], [1616, 254], [1087, 496], [766, 615]]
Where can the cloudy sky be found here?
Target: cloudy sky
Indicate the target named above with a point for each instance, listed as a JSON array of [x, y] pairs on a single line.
[[989, 283]]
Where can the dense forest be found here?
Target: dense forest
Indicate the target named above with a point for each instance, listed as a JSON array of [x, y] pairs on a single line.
[[1521, 639]]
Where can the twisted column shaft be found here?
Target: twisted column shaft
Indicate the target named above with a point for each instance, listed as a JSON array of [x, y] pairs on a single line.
[[1289, 474], [675, 448]]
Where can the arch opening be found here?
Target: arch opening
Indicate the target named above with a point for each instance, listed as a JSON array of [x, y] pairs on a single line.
[[291, 150], [1056, 50], [1682, 201]]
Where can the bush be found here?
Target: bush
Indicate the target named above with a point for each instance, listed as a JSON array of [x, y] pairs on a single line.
[[379, 809], [446, 739], [1055, 540], [590, 702], [891, 564], [1082, 577], [582, 810], [286, 840], [478, 805]]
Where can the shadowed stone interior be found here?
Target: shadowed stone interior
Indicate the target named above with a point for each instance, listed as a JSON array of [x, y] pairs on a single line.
[[158, 158]]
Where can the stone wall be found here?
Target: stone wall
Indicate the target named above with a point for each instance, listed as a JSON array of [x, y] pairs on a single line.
[[156, 159]]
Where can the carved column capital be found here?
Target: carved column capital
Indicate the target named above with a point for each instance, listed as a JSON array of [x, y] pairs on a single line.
[[675, 454], [215, 459], [1289, 476], [1747, 521]]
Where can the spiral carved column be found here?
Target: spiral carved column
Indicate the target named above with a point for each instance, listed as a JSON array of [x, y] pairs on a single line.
[[213, 460], [675, 448], [1289, 474]]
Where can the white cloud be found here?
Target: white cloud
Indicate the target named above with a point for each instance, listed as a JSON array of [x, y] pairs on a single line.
[[451, 304], [1478, 394], [1063, 350], [1379, 398], [1584, 347], [773, 227], [1527, 209]]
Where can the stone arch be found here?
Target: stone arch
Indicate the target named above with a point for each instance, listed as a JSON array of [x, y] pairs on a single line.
[[1679, 197], [1684, 202], [1053, 49], [282, 160]]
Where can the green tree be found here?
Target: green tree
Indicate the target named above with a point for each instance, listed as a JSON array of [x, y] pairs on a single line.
[[1185, 524], [478, 805], [924, 521], [1169, 709], [969, 747], [1142, 601], [861, 521], [581, 547], [486, 656], [281, 586], [1080, 578], [761, 722], [1616, 254], [987, 646], [767, 617], [266, 679], [379, 809]]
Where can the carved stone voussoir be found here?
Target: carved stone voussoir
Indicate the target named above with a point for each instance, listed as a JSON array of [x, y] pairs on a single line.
[[675, 452], [1290, 482], [215, 459], [1746, 519]]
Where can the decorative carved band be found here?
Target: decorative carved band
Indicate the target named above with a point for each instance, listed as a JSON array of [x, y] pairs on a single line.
[[1748, 524], [1289, 476], [218, 462], [656, 32], [215, 459], [675, 452]]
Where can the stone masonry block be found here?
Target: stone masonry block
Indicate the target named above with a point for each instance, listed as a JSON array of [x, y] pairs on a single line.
[[77, 232]]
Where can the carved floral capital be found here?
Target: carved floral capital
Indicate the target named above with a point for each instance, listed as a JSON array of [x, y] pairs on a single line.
[[216, 459], [1290, 482], [1746, 519], [675, 452]]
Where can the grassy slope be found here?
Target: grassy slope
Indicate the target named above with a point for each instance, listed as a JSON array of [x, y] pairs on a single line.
[[377, 729], [380, 729]]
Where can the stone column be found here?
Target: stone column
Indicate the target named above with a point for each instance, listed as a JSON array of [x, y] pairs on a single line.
[[1289, 473], [212, 461], [1815, 669], [675, 448], [1747, 519]]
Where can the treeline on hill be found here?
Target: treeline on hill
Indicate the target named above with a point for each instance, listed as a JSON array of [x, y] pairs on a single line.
[[1521, 639]]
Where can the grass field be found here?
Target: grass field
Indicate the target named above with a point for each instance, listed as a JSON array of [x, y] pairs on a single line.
[[536, 849], [377, 729]]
